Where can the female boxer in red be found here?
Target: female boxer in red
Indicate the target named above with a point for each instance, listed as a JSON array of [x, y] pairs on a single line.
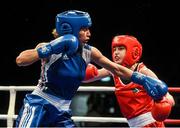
[[140, 109]]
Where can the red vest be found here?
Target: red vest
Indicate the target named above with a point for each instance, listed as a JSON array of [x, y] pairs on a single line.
[[132, 98]]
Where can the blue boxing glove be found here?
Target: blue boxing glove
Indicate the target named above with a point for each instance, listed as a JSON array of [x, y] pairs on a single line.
[[154, 87], [67, 44]]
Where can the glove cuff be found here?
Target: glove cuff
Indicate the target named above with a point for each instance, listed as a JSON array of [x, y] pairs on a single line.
[[45, 51], [137, 78]]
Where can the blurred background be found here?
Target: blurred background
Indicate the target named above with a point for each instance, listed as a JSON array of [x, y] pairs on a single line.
[[26, 23]]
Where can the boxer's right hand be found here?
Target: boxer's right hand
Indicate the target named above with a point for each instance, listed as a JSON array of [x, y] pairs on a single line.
[[91, 72], [67, 44]]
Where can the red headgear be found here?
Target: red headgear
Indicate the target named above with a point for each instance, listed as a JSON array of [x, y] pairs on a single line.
[[133, 48]]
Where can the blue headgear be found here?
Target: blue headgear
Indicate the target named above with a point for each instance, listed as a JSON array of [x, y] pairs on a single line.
[[70, 22]]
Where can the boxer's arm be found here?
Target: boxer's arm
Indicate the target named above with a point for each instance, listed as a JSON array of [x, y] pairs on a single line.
[[92, 75], [154, 87], [66, 43], [148, 72], [29, 56], [114, 68]]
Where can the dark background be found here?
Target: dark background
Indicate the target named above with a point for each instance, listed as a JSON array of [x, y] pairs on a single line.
[[25, 23], [156, 25]]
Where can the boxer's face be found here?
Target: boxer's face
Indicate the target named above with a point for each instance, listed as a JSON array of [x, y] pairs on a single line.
[[119, 53], [84, 35]]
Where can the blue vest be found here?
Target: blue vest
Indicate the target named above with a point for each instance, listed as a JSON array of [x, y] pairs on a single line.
[[63, 74]]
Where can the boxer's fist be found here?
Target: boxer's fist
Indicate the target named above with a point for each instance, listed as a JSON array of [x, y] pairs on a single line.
[[154, 87], [162, 108], [91, 72], [67, 44]]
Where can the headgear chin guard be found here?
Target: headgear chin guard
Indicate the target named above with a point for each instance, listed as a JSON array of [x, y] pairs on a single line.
[[133, 49], [71, 21]]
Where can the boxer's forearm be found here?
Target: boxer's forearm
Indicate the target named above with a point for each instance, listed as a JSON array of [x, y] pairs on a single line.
[[27, 57]]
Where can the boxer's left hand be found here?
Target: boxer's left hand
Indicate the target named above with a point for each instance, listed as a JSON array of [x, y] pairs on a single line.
[[162, 108]]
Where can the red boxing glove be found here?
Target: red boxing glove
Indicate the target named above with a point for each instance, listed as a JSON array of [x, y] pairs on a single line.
[[91, 72], [162, 108]]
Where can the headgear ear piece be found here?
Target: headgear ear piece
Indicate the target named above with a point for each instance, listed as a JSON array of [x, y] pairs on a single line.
[[135, 52], [66, 28]]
